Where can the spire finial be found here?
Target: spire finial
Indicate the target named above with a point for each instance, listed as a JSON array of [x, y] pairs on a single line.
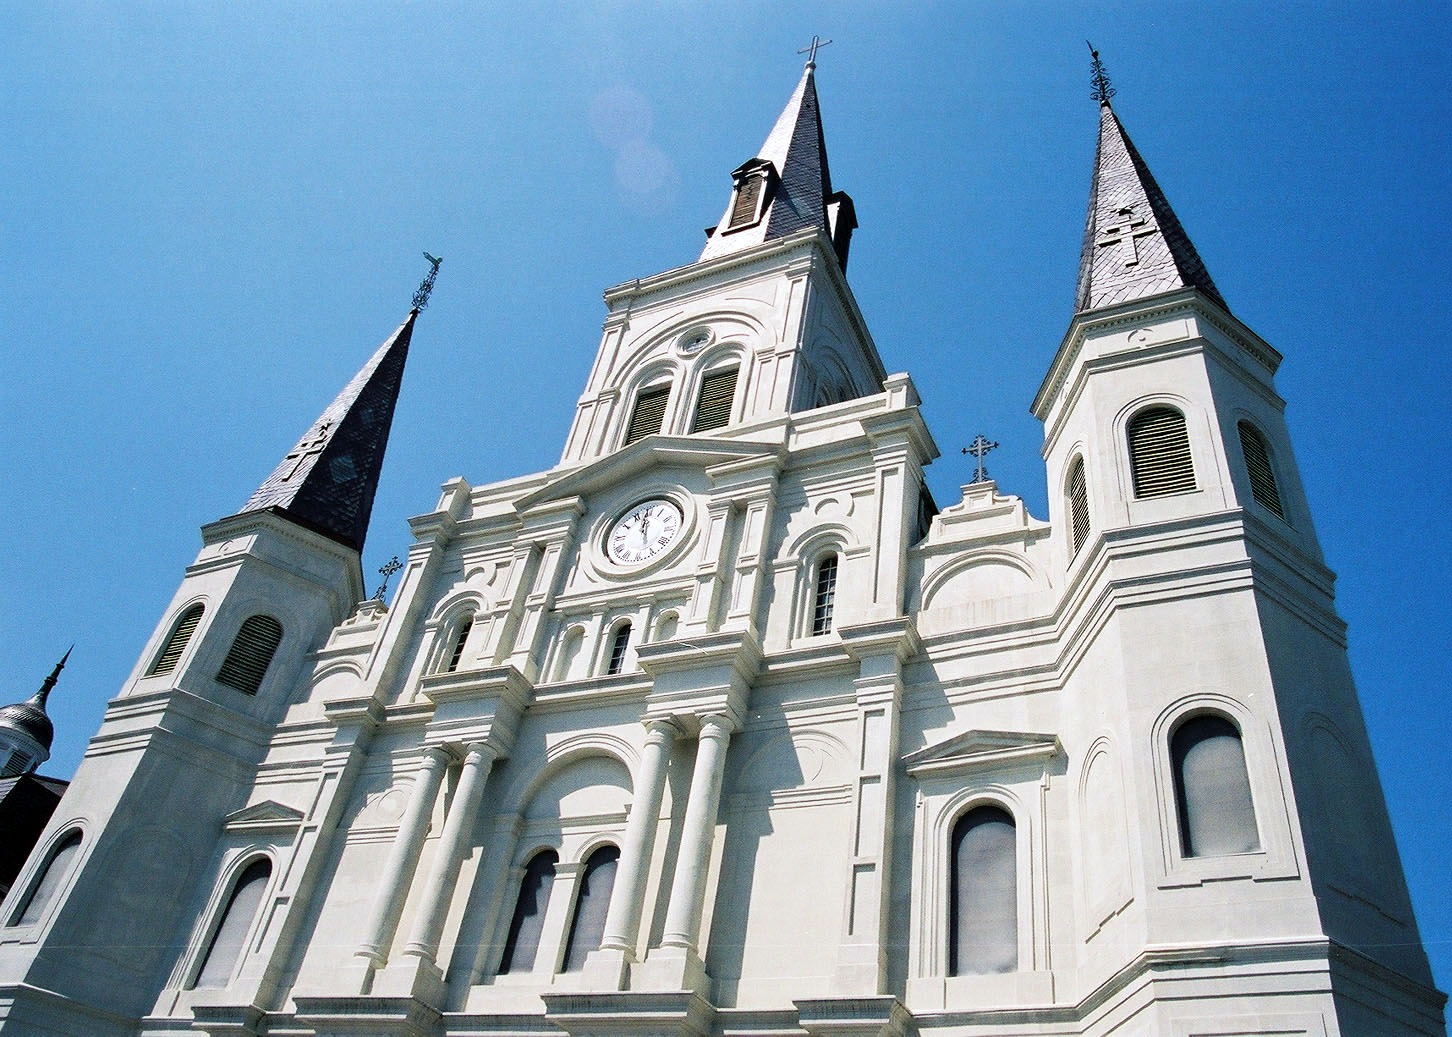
[[811, 51], [421, 297], [1102, 90], [40, 696], [978, 448], [386, 571]]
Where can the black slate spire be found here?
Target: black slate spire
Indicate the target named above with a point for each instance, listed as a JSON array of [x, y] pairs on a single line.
[[327, 482], [1134, 246]]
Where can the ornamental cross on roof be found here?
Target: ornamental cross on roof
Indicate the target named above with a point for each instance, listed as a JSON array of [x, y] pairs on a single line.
[[421, 297], [978, 448], [1127, 229], [307, 448], [1102, 90], [387, 570], [811, 51]]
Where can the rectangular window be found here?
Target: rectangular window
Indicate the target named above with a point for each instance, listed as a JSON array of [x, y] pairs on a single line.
[[649, 413], [714, 408], [747, 195]]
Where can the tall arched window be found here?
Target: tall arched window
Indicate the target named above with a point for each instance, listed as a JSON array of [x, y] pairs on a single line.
[[228, 938], [824, 594], [525, 928], [43, 889], [186, 625], [713, 409], [649, 413], [1078, 505], [251, 652], [569, 652], [1159, 453], [456, 650], [1212, 788], [618, 645], [983, 922], [1258, 466], [587, 928]]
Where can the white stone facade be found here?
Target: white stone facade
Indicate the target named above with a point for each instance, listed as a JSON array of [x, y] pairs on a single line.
[[783, 800]]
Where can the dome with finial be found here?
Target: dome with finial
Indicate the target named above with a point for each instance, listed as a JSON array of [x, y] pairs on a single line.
[[22, 722]]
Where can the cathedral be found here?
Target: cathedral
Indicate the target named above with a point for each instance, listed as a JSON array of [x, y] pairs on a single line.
[[722, 727]]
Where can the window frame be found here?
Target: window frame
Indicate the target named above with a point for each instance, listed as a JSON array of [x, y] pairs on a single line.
[[816, 625], [266, 671], [616, 654], [215, 913], [1079, 471], [720, 372], [30, 879], [1138, 413], [172, 631], [1242, 425], [654, 387]]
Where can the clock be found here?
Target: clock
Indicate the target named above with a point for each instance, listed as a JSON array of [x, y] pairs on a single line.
[[643, 532]]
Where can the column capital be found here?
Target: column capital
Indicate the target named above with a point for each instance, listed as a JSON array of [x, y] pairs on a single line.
[[718, 725], [437, 756], [662, 729]]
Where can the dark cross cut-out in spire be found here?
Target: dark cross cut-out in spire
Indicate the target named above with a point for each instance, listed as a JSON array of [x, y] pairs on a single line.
[[978, 448], [421, 297], [307, 448], [1102, 90], [386, 571], [811, 51], [1127, 230]]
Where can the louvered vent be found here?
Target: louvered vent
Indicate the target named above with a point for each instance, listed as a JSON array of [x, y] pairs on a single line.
[[1078, 504], [1159, 453], [177, 643], [459, 640], [247, 659], [1258, 466], [714, 408], [649, 413], [747, 195]]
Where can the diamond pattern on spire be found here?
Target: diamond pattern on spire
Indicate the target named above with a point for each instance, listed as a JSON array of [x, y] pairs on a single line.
[[1134, 246], [327, 482]]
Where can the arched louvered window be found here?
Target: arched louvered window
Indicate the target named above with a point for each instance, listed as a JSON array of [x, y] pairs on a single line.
[[456, 651], [592, 903], [527, 925], [713, 409], [1159, 453], [618, 645], [43, 889], [983, 922], [1212, 788], [824, 594], [1262, 473], [247, 659], [1078, 504], [748, 196], [649, 413], [228, 939], [186, 625]]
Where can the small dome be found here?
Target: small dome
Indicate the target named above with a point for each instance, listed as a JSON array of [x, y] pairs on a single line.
[[28, 718]]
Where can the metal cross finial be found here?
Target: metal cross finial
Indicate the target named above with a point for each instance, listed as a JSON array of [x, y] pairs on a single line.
[[421, 297], [811, 52], [387, 571], [1102, 90], [978, 448]]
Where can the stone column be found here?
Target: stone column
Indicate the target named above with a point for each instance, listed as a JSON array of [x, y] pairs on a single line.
[[458, 833], [622, 924], [688, 892], [403, 859]]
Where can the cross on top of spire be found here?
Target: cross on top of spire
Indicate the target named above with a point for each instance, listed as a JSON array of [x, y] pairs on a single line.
[[811, 51], [978, 448], [1102, 90], [421, 297]]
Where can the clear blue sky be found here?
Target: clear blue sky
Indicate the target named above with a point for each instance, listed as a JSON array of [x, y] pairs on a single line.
[[212, 213]]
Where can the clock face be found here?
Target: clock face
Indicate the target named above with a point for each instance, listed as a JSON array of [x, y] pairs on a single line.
[[644, 532]]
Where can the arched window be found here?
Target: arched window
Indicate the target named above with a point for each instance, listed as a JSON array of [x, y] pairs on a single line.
[[52, 876], [1078, 504], [228, 938], [247, 659], [528, 922], [1258, 466], [1212, 788], [186, 625], [824, 594], [569, 652], [666, 626], [456, 651], [587, 928], [649, 413], [618, 646], [983, 925], [713, 409], [1159, 453]]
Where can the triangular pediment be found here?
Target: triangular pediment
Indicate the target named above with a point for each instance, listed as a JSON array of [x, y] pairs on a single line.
[[642, 456], [267, 814], [975, 750]]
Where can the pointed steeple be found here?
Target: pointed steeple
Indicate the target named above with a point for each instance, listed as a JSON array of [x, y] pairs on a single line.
[[327, 482], [1134, 246], [787, 186], [28, 719]]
